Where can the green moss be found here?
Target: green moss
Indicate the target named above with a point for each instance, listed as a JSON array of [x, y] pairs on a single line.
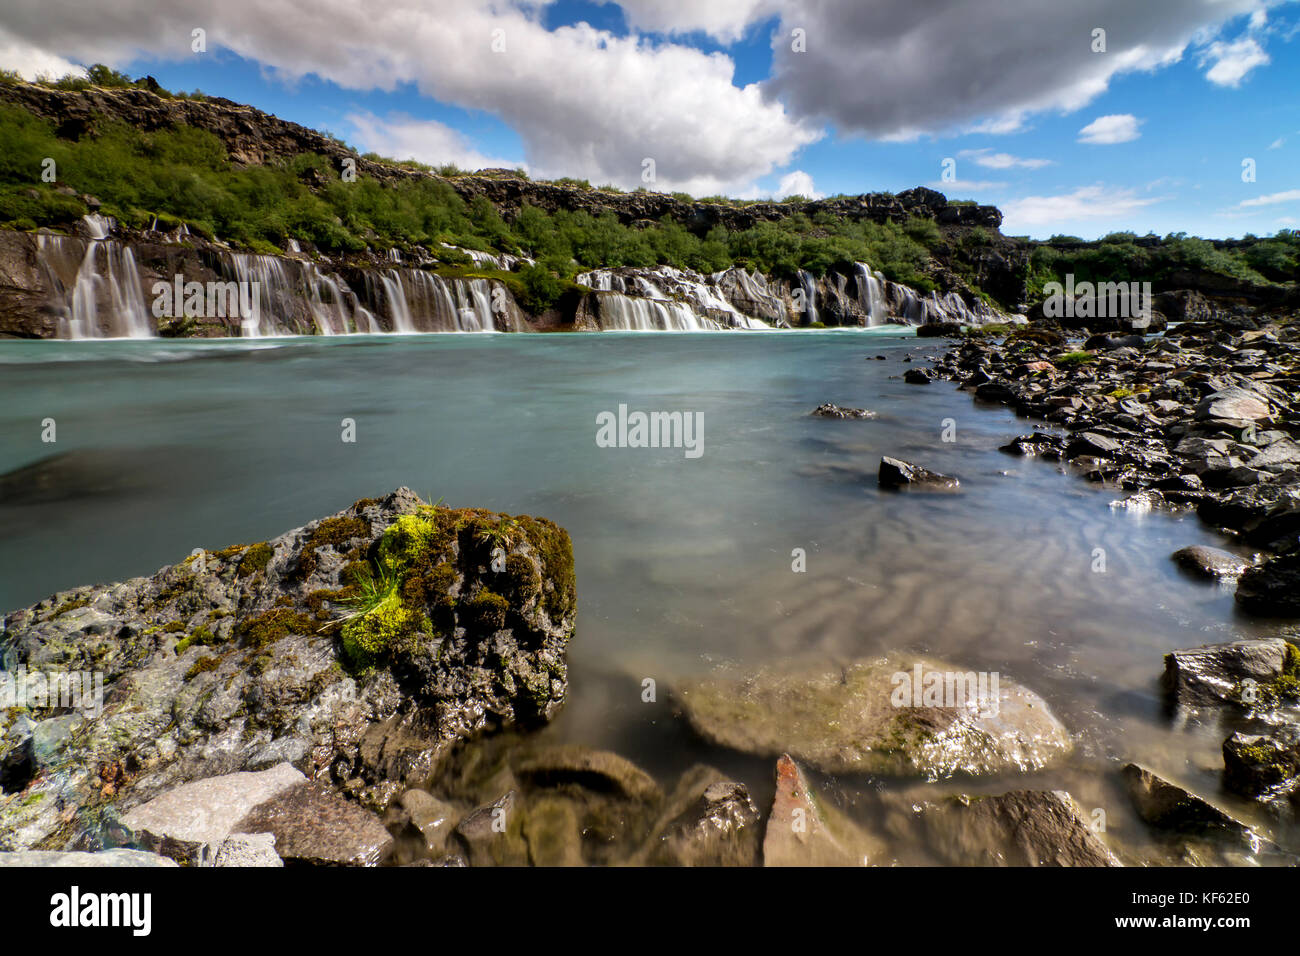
[[368, 637], [173, 627], [255, 559], [522, 578], [202, 665], [333, 533], [225, 554], [486, 612], [555, 548], [1075, 358], [67, 606], [199, 636], [265, 629]]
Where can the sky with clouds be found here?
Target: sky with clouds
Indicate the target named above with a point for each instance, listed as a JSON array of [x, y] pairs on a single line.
[[1076, 118]]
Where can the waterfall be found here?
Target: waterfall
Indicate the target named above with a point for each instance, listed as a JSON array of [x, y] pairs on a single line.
[[871, 295], [678, 300], [419, 301], [809, 286], [101, 295], [625, 313]]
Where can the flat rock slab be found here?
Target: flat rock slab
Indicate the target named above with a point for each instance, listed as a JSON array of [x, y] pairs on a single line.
[[1020, 828], [1234, 403], [313, 824], [191, 822], [843, 718], [802, 830], [104, 858], [248, 850]]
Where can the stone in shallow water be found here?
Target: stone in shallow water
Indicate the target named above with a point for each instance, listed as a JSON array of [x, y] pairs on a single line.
[[493, 834], [1209, 562], [191, 822], [598, 770], [803, 830], [1020, 828], [895, 473], [829, 410], [1169, 806], [248, 850], [718, 828], [313, 824], [843, 719], [1217, 674], [1272, 587]]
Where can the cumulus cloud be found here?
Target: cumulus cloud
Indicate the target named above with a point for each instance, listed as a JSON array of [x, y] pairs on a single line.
[[30, 62], [399, 136], [583, 101], [797, 183], [1272, 199], [1115, 128], [1232, 61], [1086, 202]]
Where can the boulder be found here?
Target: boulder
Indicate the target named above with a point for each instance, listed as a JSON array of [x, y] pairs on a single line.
[[837, 411], [916, 376], [896, 473], [248, 850], [862, 717], [1228, 673], [1168, 806], [1272, 587], [719, 827], [1207, 562], [79, 859]]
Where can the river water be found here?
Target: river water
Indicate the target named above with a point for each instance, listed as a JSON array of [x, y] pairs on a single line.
[[684, 563]]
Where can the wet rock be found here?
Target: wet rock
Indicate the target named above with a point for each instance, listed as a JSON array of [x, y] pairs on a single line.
[[1254, 764], [1207, 562], [1243, 673], [553, 833], [1236, 404], [862, 717], [79, 859], [1091, 443], [1273, 587], [837, 411], [1169, 806], [597, 770], [493, 835], [434, 818], [895, 473], [718, 828], [916, 376], [239, 659], [997, 392], [804, 830], [248, 850], [313, 824], [937, 329], [1020, 828], [189, 824]]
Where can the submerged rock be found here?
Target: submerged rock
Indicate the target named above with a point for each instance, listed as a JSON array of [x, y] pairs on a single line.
[[718, 827], [803, 830], [359, 647], [867, 717], [1020, 828], [81, 859], [895, 473], [248, 850], [1169, 806]]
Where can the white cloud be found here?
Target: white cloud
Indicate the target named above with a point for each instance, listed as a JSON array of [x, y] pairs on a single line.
[[1086, 202], [1272, 199], [991, 160], [1232, 61], [1277, 143], [29, 61], [583, 101], [399, 136], [955, 185], [797, 183], [1114, 128]]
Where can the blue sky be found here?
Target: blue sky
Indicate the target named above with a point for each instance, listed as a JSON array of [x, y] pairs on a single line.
[[1149, 134]]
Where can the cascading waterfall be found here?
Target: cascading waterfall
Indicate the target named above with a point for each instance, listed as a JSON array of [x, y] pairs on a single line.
[[625, 313], [871, 295], [808, 283], [106, 272]]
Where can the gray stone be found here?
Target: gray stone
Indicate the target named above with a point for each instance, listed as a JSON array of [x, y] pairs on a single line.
[[248, 850], [1169, 806], [1209, 562], [191, 822], [313, 824], [895, 473], [1217, 674], [829, 410]]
